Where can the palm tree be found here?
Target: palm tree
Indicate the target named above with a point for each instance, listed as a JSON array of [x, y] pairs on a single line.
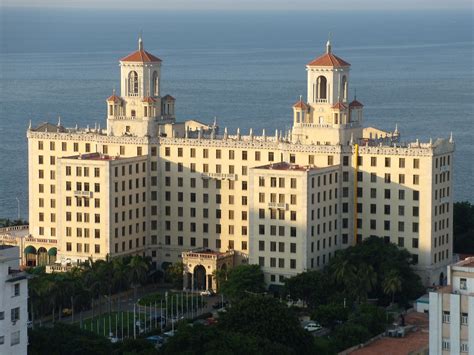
[[392, 284], [366, 279], [344, 271], [137, 272]]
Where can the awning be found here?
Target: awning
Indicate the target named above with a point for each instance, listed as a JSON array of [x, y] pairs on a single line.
[[30, 250], [53, 251]]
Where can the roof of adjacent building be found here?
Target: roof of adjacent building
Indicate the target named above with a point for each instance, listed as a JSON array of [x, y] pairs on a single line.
[[300, 104], [355, 103], [141, 56], [286, 166], [328, 60], [49, 127], [93, 156]]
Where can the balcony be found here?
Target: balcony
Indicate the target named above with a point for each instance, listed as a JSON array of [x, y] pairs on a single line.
[[219, 176], [278, 205], [87, 194]]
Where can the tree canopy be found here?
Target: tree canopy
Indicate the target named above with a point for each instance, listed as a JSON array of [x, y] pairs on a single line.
[[463, 227], [242, 280]]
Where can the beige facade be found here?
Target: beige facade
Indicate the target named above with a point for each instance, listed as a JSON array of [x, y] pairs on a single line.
[[200, 179], [451, 311], [294, 218]]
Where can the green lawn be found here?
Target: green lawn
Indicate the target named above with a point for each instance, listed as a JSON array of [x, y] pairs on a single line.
[[103, 323], [184, 300]]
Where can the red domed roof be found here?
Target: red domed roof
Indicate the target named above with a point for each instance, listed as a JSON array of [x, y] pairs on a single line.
[[114, 98], [300, 104], [328, 60], [149, 99], [355, 104], [141, 56], [339, 106]]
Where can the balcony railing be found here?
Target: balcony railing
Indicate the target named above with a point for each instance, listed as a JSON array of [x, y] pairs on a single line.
[[83, 193], [278, 205], [219, 176]]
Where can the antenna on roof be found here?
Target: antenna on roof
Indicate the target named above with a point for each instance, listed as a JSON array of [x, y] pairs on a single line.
[[140, 42], [355, 93], [328, 44]]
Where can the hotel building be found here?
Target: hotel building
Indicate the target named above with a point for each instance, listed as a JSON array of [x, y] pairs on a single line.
[[174, 190], [452, 312], [13, 303]]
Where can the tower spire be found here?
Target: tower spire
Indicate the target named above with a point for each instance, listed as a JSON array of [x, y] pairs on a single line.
[[328, 44], [140, 42]]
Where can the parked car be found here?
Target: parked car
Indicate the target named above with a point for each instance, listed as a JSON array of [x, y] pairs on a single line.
[[206, 293], [155, 339], [220, 305], [313, 327]]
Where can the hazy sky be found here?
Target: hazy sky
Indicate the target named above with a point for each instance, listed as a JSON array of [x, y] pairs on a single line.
[[297, 5]]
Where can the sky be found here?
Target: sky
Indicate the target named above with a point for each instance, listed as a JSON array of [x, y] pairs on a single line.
[[297, 5]]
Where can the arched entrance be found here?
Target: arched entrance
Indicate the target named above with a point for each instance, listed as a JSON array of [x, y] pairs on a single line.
[[199, 278], [42, 256], [441, 279], [52, 255], [30, 255]]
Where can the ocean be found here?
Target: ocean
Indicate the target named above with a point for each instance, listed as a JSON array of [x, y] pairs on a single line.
[[414, 69]]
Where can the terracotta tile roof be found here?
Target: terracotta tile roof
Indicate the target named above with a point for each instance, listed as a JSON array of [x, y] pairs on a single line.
[[114, 98], [140, 56], [340, 106], [300, 104], [149, 99], [328, 60], [169, 97], [355, 103]]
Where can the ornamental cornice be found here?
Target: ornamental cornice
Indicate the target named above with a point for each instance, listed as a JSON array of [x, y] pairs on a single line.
[[91, 137]]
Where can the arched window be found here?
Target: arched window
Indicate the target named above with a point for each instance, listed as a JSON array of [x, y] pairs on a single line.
[[155, 83], [133, 83], [322, 87], [344, 88]]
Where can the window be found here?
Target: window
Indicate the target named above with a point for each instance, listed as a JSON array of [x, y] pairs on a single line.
[[133, 83], [446, 318], [401, 162], [15, 314], [464, 347], [414, 243], [463, 284], [416, 163], [16, 289], [15, 338], [464, 318], [445, 344]]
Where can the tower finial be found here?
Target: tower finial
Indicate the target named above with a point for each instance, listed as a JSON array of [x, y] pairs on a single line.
[[328, 44], [451, 140], [301, 98], [140, 42], [355, 93]]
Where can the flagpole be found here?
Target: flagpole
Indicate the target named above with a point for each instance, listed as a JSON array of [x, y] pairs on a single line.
[[134, 324]]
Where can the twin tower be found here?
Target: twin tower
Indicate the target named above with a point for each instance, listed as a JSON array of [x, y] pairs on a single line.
[[326, 118]]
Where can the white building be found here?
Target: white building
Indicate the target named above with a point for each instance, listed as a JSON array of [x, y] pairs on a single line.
[[452, 312], [197, 184], [13, 303]]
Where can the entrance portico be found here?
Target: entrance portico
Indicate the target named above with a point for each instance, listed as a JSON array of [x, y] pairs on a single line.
[[200, 268]]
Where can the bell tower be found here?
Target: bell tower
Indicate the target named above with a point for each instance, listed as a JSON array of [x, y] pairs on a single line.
[[139, 108], [326, 117]]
